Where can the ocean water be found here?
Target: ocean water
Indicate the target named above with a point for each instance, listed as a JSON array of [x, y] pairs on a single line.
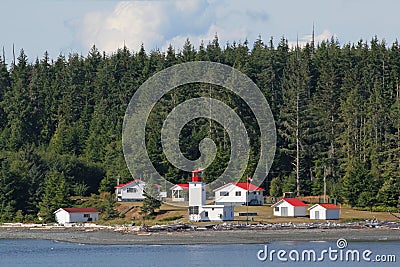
[[20, 252]]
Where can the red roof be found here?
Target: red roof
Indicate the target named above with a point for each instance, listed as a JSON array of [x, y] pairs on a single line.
[[122, 185], [183, 186], [292, 201], [330, 206], [243, 185], [249, 186], [78, 210]]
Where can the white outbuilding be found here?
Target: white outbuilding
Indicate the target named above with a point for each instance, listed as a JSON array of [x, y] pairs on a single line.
[[75, 215], [325, 211], [237, 194], [290, 207]]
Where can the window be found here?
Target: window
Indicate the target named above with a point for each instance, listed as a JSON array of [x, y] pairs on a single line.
[[193, 210], [86, 215], [276, 208], [131, 190], [238, 193], [224, 193], [206, 213]]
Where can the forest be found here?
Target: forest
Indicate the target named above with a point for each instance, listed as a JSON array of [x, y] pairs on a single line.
[[336, 109]]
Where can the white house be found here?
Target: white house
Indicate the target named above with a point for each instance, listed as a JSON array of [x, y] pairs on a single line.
[[324, 212], [132, 191], [178, 192], [291, 207], [74, 215], [198, 211], [239, 194]]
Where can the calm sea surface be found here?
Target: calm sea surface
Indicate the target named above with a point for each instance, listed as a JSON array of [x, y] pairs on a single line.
[[14, 252]]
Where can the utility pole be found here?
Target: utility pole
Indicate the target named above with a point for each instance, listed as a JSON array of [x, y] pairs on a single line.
[[297, 125], [324, 184]]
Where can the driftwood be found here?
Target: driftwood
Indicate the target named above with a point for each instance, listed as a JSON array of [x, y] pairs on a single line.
[[396, 216]]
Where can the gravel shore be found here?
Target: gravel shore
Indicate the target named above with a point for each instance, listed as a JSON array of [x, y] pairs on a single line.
[[109, 237]]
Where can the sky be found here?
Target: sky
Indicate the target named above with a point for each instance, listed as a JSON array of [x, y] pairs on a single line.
[[69, 26]]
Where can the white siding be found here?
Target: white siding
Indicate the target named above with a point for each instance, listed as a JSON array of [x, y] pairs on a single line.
[[63, 216], [236, 196], [324, 214], [292, 210], [197, 194], [131, 192], [214, 213]]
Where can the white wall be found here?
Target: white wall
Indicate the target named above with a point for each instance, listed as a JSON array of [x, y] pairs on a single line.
[[63, 216], [217, 213], [292, 210], [286, 205], [235, 200], [197, 194], [324, 214], [123, 194]]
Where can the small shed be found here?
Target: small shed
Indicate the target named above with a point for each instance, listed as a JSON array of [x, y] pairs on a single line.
[[180, 192], [290, 207], [74, 215], [324, 212]]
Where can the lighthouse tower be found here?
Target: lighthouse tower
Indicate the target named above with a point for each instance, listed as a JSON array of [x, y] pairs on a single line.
[[197, 195]]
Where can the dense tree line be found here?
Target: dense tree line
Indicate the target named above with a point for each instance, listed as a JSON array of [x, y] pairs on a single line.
[[336, 108]]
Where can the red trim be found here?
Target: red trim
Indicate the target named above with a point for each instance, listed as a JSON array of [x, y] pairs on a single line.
[[243, 185], [128, 183], [183, 186], [80, 210], [292, 201], [329, 206]]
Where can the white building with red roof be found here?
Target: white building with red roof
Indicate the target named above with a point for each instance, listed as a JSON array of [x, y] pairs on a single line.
[[326, 211], [74, 215], [131, 191], [237, 194], [290, 207], [179, 192]]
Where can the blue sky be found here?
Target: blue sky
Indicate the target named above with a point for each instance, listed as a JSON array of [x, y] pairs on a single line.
[[65, 26]]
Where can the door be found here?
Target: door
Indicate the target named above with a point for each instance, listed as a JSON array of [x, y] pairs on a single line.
[[317, 214], [284, 211]]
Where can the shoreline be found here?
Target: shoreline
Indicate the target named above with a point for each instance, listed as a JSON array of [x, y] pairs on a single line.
[[247, 236]]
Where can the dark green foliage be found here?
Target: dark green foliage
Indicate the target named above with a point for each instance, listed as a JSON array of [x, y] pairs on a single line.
[[336, 109], [151, 201], [55, 195]]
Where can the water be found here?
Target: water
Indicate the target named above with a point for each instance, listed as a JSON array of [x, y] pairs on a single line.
[[14, 252]]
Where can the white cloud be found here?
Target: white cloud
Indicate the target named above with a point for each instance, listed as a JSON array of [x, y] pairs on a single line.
[[157, 24], [303, 40], [150, 23]]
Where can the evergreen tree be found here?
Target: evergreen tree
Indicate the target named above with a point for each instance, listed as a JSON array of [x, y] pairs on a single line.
[[55, 195]]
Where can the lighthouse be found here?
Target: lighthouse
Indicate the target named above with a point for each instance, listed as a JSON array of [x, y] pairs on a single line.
[[198, 210], [197, 190], [197, 195]]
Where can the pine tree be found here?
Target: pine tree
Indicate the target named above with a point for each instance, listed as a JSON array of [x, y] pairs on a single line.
[[55, 195]]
